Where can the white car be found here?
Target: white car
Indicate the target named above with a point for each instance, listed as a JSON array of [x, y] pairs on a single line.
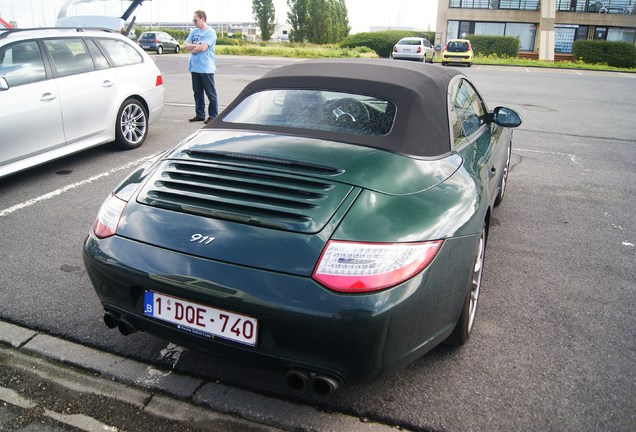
[[65, 90], [413, 48]]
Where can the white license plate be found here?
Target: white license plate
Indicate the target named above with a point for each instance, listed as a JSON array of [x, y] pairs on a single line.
[[201, 320], [145, 46]]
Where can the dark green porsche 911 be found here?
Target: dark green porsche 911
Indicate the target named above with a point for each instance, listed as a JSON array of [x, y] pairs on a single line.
[[330, 223]]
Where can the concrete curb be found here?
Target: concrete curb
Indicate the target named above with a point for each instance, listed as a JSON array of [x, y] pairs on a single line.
[[165, 393]]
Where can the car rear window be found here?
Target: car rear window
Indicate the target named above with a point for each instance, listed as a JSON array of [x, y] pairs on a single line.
[[457, 46], [410, 42], [316, 109], [147, 36]]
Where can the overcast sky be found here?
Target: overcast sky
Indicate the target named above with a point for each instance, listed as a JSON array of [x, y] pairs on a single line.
[[363, 14]]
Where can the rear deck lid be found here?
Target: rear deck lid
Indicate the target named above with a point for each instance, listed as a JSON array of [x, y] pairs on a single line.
[[269, 201]]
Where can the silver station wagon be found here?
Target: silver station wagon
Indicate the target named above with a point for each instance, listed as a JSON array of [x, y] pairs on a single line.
[[63, 90]]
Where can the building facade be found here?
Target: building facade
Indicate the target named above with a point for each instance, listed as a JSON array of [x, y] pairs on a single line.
[[545, 28]]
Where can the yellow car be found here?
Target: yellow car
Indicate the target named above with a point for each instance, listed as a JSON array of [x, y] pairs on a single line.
[[457, 51]]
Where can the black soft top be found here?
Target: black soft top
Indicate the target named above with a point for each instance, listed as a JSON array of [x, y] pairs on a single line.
[[419, 91]]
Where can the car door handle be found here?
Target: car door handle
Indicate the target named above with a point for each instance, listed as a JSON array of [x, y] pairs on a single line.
[[107, 83], [47, 97]]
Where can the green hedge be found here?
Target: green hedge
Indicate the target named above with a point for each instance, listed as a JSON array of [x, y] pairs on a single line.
[[380, 42], [617, 54], [502, 46]]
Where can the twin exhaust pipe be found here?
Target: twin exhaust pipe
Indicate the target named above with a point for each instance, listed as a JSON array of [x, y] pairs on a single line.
[[123, 324], [322, 385], [296, 379]]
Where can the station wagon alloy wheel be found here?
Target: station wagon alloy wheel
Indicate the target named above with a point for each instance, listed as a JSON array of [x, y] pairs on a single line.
[[132, 124]]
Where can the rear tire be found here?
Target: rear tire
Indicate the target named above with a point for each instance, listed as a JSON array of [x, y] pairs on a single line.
[[176, 49], [131, 127], [159, 50], [504, 178], [463, 328]]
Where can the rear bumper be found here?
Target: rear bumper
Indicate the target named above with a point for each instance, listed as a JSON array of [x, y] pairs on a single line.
[[457, 58], [155, 99], [408, 56], [301, 324]]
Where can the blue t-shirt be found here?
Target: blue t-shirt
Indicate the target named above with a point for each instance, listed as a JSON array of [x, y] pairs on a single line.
[[202, 62]]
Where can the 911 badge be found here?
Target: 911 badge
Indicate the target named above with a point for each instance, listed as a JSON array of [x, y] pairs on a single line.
[[201, 239]]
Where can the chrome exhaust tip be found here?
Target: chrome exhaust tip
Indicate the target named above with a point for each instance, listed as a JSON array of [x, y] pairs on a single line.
[[324, 385], [111, 319], [296, 380], [126, 327]]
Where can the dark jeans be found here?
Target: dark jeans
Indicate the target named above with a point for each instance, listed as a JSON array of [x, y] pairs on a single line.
[[202, 82]]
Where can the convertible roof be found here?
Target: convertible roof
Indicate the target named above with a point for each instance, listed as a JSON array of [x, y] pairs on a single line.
[[418, 90]]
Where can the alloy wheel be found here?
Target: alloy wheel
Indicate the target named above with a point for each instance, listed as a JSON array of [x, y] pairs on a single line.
[[478, 269], [133, 123]]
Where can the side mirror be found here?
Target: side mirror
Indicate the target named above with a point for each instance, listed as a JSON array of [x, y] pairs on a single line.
[[506, 117], [4, 85]]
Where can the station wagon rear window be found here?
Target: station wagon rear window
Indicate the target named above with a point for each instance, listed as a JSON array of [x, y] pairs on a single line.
[[316, 109]]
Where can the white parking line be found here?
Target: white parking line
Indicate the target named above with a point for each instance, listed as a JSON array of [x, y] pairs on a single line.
[[569, 155], [72, 186]]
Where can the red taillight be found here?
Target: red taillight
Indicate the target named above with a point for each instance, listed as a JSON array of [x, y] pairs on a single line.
[[395, 48], [108, 217], [446, 47], [419, 49], [159, 81], [155, 41], [362, 267]]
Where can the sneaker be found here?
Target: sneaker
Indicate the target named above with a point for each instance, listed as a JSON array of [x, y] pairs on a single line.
[[208, 120], [196, 119]]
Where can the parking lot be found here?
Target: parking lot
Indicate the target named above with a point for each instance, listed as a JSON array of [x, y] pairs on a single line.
[[554, 343]]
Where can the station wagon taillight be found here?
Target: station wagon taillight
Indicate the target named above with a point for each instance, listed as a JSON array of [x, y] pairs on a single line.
[[354, 267], [159, 81], [419, 49]]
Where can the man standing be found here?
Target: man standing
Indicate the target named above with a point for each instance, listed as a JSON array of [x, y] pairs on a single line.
[[200, 44]]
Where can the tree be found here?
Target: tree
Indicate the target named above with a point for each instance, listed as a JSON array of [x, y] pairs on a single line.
[[318, 21], [298, 17], [341, 20], [264, 14]]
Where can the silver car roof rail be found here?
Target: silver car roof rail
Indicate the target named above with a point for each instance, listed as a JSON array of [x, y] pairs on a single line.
[[6, 32]]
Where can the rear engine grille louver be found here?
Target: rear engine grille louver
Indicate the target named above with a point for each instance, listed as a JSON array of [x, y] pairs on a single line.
[[247, 190]]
